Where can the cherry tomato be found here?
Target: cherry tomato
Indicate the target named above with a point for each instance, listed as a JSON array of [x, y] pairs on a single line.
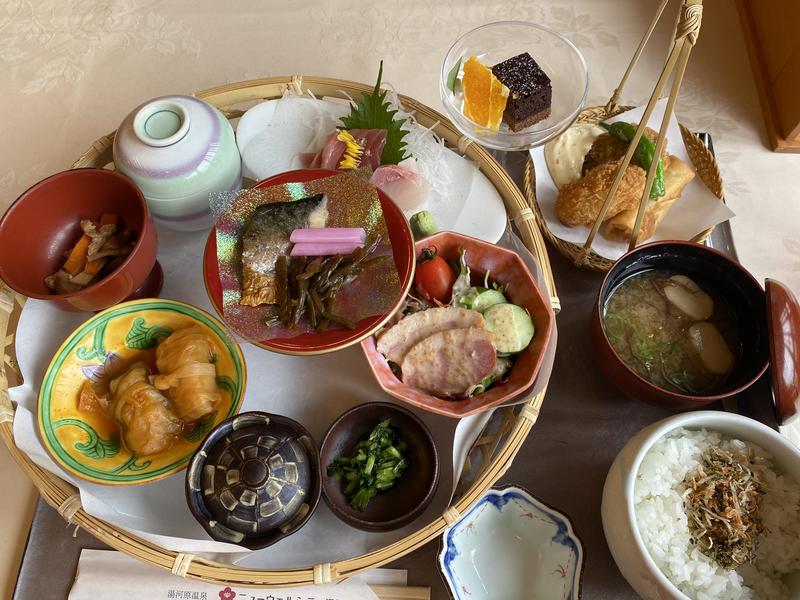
[[434, 278]]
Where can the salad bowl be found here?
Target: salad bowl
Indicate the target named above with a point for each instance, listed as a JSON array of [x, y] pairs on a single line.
[[512, 545], [506, 269]]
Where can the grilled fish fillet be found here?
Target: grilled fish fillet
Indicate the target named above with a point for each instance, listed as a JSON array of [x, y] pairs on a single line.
[[267, 237], [396, 341]]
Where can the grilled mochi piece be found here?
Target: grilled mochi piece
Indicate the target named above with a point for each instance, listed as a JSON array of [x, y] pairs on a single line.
[[396, 341], [449, 363]]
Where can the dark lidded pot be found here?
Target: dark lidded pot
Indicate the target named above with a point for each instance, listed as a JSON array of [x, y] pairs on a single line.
[[254, 480]]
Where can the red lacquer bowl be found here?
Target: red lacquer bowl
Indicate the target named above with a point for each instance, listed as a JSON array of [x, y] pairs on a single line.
[[507, 269], [44, 222], [713, 270], [333, 339]]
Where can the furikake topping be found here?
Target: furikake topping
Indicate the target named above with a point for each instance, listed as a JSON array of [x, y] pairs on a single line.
[[722, 501]]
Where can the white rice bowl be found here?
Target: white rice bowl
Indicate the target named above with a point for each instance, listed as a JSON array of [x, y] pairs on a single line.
[[663, 525]]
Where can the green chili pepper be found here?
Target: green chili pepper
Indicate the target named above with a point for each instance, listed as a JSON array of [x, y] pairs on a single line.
[[645, 151]]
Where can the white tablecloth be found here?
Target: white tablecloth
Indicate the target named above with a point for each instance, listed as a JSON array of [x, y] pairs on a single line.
[[70, 71]]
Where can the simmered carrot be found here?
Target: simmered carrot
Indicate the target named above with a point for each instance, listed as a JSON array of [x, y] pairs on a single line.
[[93, 266], [76, 260]]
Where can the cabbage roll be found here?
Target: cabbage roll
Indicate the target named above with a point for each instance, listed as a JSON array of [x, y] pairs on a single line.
[[144, 414], [186, 372]]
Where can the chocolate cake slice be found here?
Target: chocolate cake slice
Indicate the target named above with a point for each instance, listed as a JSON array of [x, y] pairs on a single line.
[[531, 93]]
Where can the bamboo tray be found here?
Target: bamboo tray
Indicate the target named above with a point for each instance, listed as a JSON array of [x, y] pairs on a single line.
[[497, 448], [703, 161]]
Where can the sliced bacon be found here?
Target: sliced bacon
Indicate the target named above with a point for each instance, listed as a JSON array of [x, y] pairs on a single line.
[[449, 363], [396, 341]]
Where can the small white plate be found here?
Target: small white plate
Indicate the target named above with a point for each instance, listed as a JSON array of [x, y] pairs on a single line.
[[511, 545], [272, 135]]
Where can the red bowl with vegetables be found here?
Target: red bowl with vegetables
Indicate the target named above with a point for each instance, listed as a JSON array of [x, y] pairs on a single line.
[[42, 238], [468, 339]]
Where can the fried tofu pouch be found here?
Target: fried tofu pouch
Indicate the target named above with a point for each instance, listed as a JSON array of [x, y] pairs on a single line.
[[579, 202], [677, 175]]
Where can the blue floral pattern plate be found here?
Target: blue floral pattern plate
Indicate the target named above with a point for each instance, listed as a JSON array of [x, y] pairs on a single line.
[[512, 546]]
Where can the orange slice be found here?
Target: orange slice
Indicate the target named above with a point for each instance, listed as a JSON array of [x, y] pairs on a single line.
[[484, 95]]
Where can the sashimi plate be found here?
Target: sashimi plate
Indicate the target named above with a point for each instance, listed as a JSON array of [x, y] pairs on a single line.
[[279, 135]]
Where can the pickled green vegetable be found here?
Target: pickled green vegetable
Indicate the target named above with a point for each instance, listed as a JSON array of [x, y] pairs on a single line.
[[374, 466]]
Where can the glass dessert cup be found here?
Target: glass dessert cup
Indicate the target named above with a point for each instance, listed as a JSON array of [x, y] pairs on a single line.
[[496, 42]]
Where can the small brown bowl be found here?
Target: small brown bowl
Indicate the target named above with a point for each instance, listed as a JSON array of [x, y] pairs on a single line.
[[44, 222], [412, 493], [507, 269], [723, 275]]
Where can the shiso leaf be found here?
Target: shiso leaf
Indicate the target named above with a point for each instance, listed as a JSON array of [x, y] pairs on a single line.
[[373, 111], [452, 76]]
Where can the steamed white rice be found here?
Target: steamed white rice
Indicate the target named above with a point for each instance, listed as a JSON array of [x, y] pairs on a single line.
[[664, 527]]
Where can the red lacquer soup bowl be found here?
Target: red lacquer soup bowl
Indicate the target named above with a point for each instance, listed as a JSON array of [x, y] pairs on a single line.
[[715, 272], [336, 338], [505, 268], [44, 222]]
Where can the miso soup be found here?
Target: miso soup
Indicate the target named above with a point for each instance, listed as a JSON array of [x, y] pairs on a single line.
[[673, 331]]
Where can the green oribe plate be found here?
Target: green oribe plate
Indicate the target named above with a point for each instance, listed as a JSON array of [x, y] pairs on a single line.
[[88, 444]]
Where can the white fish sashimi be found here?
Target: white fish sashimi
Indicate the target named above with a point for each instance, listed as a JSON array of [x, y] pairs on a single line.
[[403, 184], [274, 136]]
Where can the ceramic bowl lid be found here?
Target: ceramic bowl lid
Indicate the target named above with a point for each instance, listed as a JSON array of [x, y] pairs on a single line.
[[783, 318], [254, 480], [175, 146]]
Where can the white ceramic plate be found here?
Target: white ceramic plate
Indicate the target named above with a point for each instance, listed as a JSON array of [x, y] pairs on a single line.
[[511, 545], [272, 134]]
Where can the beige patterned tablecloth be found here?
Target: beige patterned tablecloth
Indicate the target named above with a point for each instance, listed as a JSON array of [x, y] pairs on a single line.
[[70, 71]]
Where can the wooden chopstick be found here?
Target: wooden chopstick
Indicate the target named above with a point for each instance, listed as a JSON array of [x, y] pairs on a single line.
[[400, 592]]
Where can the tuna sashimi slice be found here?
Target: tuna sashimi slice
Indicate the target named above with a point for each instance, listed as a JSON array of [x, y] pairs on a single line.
[[371, 140]]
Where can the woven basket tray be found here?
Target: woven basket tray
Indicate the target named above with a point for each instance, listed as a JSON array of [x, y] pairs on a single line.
[[497, 449], [704, 164]]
